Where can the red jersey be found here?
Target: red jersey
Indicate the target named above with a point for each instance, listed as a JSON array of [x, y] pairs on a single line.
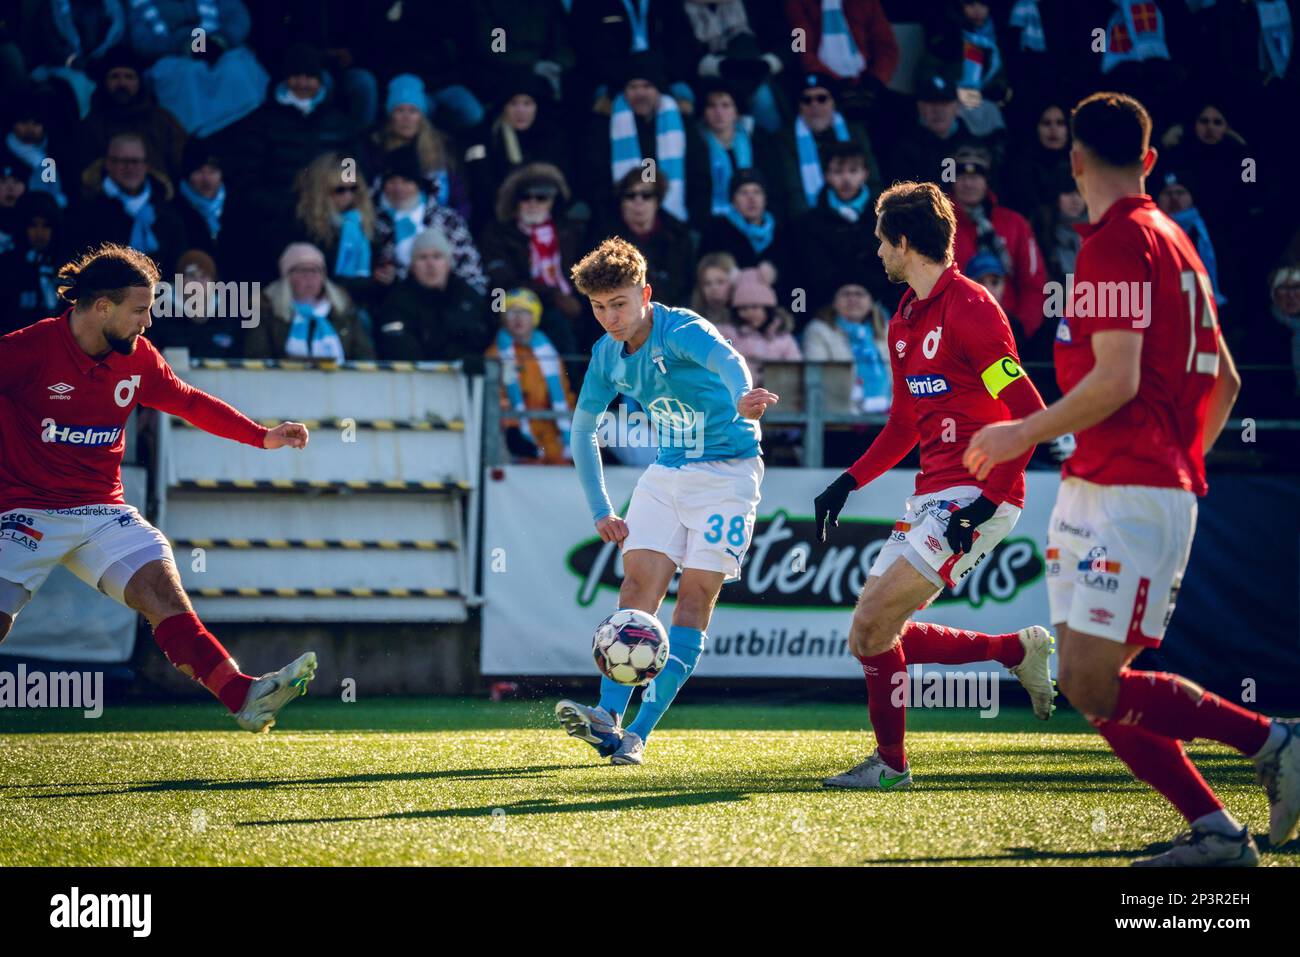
[[951, 353], [63, 415], [1137, 270]]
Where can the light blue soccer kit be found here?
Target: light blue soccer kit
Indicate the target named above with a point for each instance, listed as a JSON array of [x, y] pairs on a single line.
[[697, 503]]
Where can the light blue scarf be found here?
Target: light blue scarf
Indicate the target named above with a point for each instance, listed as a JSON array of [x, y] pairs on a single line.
[[142, 214], [311, 334], [1026, 16], [549, 361], [353, 257], [759, 235], [1194, 226], [837, 49], [872, 389], [810, 164], [851, 209], [980, 58], [1146, 38], [670, 148], [1275, 37], [638, 20], [209, 209], [720, 166]]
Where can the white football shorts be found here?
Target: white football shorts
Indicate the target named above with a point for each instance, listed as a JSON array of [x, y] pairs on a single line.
[[701, 514]]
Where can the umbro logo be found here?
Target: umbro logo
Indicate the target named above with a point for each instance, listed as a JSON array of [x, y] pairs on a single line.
[[60, 390]]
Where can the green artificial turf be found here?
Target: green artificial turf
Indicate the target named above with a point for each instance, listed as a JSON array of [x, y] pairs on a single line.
[[467, 781]]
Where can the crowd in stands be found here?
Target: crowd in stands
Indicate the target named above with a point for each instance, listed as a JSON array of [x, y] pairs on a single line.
[[414, 180]]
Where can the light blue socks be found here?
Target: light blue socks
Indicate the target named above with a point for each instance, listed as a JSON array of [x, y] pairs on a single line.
[[684, 648], [614, 697]]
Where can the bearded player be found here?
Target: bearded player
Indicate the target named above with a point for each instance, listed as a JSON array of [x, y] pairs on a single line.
[[694, 508], [955, 368], [67, 387], [1149, 384]]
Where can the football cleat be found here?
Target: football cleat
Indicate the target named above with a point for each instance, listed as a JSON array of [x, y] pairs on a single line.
[[872, 774], [271, 692], [1035, 670], [1201, 848], [631, 751], [596, 726], [1279, 773]]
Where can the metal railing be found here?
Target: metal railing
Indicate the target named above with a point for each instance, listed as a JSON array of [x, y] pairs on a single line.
[[810, 412]]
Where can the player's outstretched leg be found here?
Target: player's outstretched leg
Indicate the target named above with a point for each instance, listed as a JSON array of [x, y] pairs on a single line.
[[1026, 653], [685, 645], [155, 591]]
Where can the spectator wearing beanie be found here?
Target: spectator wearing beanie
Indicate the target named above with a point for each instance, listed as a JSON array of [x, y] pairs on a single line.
[[405, 209], [986, 269], [759, 329], [196, 319], [532, 378], [984, 224], [298, 122], [304, 315], [531, 243], [32, 137], [406, 122], [1176, 193], [662, 239], [522, 129], [201, 197], [749, 231], [819, 123], [28, 280], [852, 330], [208, 88], [122, 104], [645, 121], [131, 205], [837, 237], [432, 313]]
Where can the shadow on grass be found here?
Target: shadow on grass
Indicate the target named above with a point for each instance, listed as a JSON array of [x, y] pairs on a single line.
[[208, 784], [646, 802], [1037, 855]]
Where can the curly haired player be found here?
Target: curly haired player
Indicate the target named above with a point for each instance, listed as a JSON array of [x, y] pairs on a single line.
[[68, 386], [694, 508]]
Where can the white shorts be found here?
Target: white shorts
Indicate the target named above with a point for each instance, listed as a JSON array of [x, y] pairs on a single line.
[[918, 536], [89, 540], [701, 514], [1116, 556]]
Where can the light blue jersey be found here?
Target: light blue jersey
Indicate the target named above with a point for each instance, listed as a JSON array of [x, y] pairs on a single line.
[[688, 379]]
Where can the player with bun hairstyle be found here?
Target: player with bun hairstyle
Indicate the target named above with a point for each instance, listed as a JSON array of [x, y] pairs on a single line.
[[68, 386]]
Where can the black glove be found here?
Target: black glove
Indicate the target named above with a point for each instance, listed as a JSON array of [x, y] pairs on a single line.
[[963, 522], [827, 505]]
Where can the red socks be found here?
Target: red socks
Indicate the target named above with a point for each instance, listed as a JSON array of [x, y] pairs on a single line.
[[888, 721], [940, 645], [1167, 704], [194, 651], [1161, 762]]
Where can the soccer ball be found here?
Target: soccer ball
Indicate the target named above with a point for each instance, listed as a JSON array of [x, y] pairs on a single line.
[[630, 647]]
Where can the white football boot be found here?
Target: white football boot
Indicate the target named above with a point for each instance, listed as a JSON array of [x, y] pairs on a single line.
[[631, 751], [271, 692], [1201, 848], [1279, 773], [872, 774], [1035, 671], [596, 726]]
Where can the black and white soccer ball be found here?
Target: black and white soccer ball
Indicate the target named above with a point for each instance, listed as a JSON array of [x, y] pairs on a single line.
[[630, 647]]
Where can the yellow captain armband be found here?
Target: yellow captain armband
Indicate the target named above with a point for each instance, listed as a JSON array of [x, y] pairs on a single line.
[[1001, 374]]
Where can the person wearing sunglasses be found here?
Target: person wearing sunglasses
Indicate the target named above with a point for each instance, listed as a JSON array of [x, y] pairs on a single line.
[[817, 126], [532, 244], [664, 240]]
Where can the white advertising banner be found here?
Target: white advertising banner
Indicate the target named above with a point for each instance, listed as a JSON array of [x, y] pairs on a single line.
[[548, 579]]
